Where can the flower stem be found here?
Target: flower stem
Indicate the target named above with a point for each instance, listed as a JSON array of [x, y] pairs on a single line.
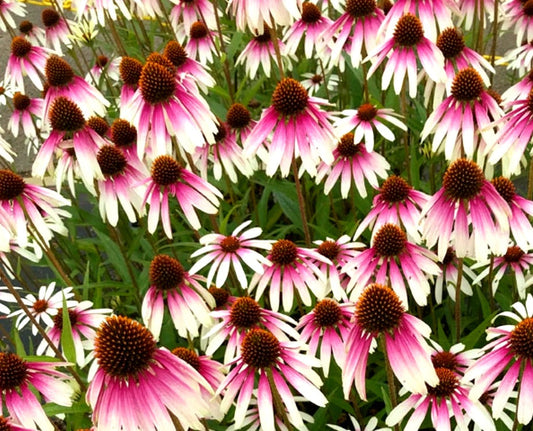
[[279, 408], [225, 63], [301, 203], [406, 135], [490, 278], [390, 376], [275, 42], [458, 299]]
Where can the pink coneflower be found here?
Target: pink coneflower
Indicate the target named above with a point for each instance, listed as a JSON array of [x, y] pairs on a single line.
[[56, 30], [25, 60], [163, 106], [224, 156], [8, 425], [518, 59], [44, 306], [379, 311], [518, 16], [21, 200], [236, 321], [135, 385], [25, 109], [310, 27], [462, 122], [357, 26], [33, 33], [313, 82], [254, 14], [191, 11], [201, 44], [260, 51], [392, 258], [448, 278], [396, 202], [300, 128], [116, 187], [130, 72], [211, 371], [327, 326], [169, 178], [521, 208], [363, 120], [103, 67], [515, 260], [20, 379], [339, 252], [272, 364], [83, 322], [68, 123], [7, 8], [510, 346], [61, 82], [239, 121], [466, 213], [518, 91], [224, 252], [187, 300], [513, 137], [179, 57], [455, 359], [407, 41], [291, 268], [471, 11], [449, 398]]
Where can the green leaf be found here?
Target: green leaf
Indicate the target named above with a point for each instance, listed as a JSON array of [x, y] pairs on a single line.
[[472, 338], [67, 341], [19, 345], [114, 256]]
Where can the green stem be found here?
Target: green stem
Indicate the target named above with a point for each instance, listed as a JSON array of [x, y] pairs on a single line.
[[390, 375], [458, 300], [275, 42], [301, 203], [406, 134], [279, 408]]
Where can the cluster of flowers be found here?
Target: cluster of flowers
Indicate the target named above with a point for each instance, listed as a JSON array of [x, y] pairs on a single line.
[[141, 139]]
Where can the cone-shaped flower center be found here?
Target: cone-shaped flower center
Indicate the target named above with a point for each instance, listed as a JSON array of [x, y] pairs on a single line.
[[198, 30], [329, 249], [245, 313], [447, 383], [57, 71], [265, 37], [188, 355], [527, 8], [389, 240], [260, 348], [99, 125], [360, 8], [230, 244], [310, 13], [378, 309], [130, 70], [101, 61], [123, 134], [58, 318], [49, 17], [495, 95], [221, 131], [386, 6], [11, 185], [238, 116], [165, 171], [513, 254], [284, 252], [65, 115], [13, 371], [395, 189], [290, 97], [166, 272], [444, 360], [327, 313], [4, 424], [451, 42], [367, 112], [157, 58], [221, 295], [317, 79], [408, 31], [463, 179], [522, 338], [448, 257], [530, 101], [346, 147], [111, 160], [20, 46], [21, 102], [505, 187], [40, 306], [157, 83], [175, 53], [467, 85], [123, 347], [25, 27]]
